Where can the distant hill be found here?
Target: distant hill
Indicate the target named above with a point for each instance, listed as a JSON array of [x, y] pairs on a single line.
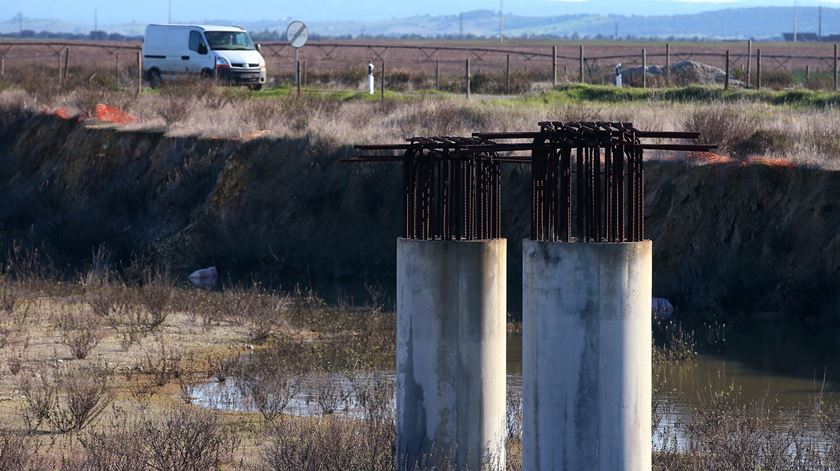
[[734, 23]]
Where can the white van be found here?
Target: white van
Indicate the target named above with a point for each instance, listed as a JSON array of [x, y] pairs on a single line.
[[224, 52]]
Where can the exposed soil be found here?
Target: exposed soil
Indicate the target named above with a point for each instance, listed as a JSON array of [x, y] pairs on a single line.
[[728, 237]]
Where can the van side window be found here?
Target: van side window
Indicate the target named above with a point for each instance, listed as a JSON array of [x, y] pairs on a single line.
[[195, 40]]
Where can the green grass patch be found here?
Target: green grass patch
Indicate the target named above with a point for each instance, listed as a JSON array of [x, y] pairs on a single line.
[[598, 93]]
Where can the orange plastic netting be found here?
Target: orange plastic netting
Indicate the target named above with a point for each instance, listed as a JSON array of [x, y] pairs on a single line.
[[112, 114]]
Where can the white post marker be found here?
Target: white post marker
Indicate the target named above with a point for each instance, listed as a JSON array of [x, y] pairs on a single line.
[[618, 75], [371, 87]]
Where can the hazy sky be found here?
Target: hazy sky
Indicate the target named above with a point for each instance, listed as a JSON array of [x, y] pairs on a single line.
[[110, 11]]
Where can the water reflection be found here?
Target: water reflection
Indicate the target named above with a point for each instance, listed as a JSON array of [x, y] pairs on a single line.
[[782, 367]]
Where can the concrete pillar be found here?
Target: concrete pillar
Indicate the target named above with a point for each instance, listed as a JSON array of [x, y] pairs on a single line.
[[451, 340], [586, 356]]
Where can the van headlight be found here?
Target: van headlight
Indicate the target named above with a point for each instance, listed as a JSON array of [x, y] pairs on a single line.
[[222, 62]]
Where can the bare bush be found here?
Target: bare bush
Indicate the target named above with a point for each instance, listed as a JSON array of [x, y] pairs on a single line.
[[156, 296], [258, 310], [163, 363], [182, 439], [373, 392], [262, 114], [270, 390], [80, 331], [83, 395], [722, 125], [331, 392], [39, 394], [68, 399], [330, 443], [189, 441], [175, 104], [20, 453], [221, 367]]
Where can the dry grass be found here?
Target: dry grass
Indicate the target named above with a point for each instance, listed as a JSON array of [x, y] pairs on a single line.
[[742, 129]]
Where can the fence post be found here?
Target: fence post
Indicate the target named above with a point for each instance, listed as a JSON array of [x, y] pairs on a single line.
[[382, 83], [807, 72], [835, 67], [139, 73], [726, 79], [467, 77], [644, 68], [580, 72], [2, 65], [117, 68], [66, 62], [668, 63], [758, 69], [553, 65], [749, 63], [507, 74], [58, 58], [303, 72], [437, 74]]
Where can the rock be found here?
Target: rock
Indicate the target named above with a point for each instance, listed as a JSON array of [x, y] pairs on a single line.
[[682, 73]]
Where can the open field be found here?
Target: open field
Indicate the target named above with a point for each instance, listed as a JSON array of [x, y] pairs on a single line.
[[529, 60]]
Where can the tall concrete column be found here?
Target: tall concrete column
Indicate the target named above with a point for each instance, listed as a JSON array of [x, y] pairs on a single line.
[[586, 356], [451, 340]]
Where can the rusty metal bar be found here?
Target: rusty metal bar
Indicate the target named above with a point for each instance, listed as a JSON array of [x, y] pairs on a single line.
[[587, 181]]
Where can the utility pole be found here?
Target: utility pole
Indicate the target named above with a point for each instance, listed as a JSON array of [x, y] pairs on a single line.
[[20, 23], [615, 36], [819, 22], [460, 26], [95, 20], [170, 11], [794, 21], [501, 21]]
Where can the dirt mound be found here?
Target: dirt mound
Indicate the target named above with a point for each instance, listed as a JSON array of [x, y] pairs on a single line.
[[727, 238]]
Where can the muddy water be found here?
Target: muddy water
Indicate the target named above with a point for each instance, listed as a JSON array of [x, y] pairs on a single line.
[[788, 367]]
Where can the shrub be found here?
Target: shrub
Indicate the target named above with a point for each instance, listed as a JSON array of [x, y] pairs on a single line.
[[175, 104], [721, 125], [262, 114], [69, 400], [188, 440], [763, 142], [330, 443], [83, 396], [20, 453], [156, 296], [182, 439], [80, 331]]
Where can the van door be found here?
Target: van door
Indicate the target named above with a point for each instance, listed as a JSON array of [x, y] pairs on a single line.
[[198, 59], [177, 54]]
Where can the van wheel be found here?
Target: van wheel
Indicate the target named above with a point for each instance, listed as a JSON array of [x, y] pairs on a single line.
[[154, 79], [206, 74], [255, 88]]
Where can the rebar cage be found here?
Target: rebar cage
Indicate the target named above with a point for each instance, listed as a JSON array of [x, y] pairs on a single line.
[[587, 181]]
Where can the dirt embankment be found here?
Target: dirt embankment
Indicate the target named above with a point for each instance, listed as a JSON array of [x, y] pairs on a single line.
[[727, 238]]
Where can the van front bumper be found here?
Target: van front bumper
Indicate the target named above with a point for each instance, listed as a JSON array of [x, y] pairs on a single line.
[[242, 76]]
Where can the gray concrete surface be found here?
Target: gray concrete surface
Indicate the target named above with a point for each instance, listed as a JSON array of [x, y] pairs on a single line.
[[451, 341], [586, 366]]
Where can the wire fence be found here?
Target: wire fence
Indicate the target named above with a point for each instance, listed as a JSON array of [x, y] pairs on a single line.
[[511, 69]]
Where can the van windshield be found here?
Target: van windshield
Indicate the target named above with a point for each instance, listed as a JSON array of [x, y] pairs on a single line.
[[229, 41]]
